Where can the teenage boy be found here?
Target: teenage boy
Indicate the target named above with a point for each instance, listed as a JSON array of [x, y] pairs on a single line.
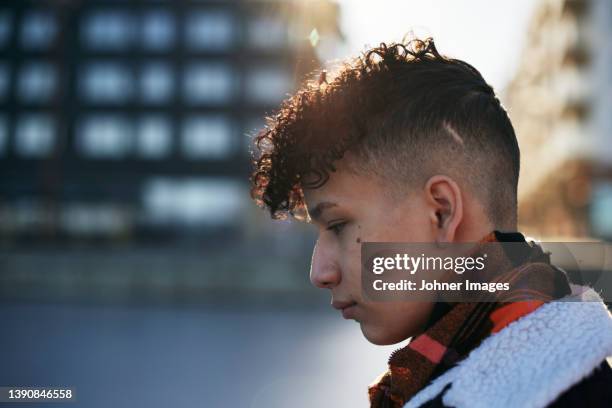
[[406, 145]]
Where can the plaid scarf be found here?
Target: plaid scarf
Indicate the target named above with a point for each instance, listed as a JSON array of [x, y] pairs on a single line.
[[455, 329]]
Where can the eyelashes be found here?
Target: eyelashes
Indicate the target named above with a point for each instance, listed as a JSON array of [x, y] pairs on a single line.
[[337, 227]]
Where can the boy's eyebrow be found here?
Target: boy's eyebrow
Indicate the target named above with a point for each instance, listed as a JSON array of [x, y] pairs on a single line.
[[316, 212]]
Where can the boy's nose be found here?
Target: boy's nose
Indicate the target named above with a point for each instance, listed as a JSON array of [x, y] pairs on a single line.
[[324, 272]]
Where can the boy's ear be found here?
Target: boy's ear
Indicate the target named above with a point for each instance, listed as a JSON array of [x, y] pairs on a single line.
[[445, 204]]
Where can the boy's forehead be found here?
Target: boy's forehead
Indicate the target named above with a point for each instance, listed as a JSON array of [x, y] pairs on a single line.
[[343, 188], [338, 183], [344, 171]]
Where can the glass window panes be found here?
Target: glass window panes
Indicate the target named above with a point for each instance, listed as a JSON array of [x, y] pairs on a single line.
[[154, 137], [105, 137], [106, 83], [108, 30], [38, 29], [193, 201], [5, 27], [156, 83], [93, 219], [206, 137], [37, 82], [3, 135], [210, 30], [34, 135], [268, 84], [158, 30], [267, 32], [4, 80], [209, 83]]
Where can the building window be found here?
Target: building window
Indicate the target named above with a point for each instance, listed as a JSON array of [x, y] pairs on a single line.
[[206, 137], [105, 137], [268, 85], [193, 201], [35, 135], [267, 32], [158, 30], [38, 30], [209, 83], [37, 82], [6, 26], [106, 83], [154, 137], [156, 83], [210, 30], [108, 30], [91, 219]]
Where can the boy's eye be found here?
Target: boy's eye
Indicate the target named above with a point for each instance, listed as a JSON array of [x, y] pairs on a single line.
[[337, 227]]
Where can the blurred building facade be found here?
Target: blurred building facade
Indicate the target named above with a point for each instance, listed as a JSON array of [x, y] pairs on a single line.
[[127, 124], [560, 103], [129, 120]]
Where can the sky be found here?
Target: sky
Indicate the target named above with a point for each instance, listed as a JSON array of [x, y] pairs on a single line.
[[488, 34]]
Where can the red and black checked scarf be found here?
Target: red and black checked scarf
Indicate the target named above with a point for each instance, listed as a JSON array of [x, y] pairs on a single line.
[[455, 329]]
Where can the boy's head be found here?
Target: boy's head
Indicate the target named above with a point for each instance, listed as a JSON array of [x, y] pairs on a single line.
[[402, 145]]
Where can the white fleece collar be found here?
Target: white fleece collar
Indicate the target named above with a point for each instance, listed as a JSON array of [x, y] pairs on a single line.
[[533, 360]]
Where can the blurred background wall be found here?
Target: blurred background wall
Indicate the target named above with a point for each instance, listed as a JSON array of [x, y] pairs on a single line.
[[131, 257]]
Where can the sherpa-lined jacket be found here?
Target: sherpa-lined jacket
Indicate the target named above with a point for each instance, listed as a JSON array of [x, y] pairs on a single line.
[[552, 357]]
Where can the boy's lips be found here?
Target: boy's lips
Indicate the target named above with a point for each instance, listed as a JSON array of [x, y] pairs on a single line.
[[347, 307]]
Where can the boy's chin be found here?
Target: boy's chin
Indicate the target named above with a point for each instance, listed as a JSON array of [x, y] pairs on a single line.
[[380, 336]]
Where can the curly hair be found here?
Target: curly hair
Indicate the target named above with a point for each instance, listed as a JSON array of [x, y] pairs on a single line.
[[389, 103]]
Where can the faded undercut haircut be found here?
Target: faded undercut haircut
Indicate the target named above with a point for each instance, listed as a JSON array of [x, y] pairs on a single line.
[[406, 113]]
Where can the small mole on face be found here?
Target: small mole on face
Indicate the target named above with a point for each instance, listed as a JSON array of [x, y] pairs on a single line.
[[358, 240]]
